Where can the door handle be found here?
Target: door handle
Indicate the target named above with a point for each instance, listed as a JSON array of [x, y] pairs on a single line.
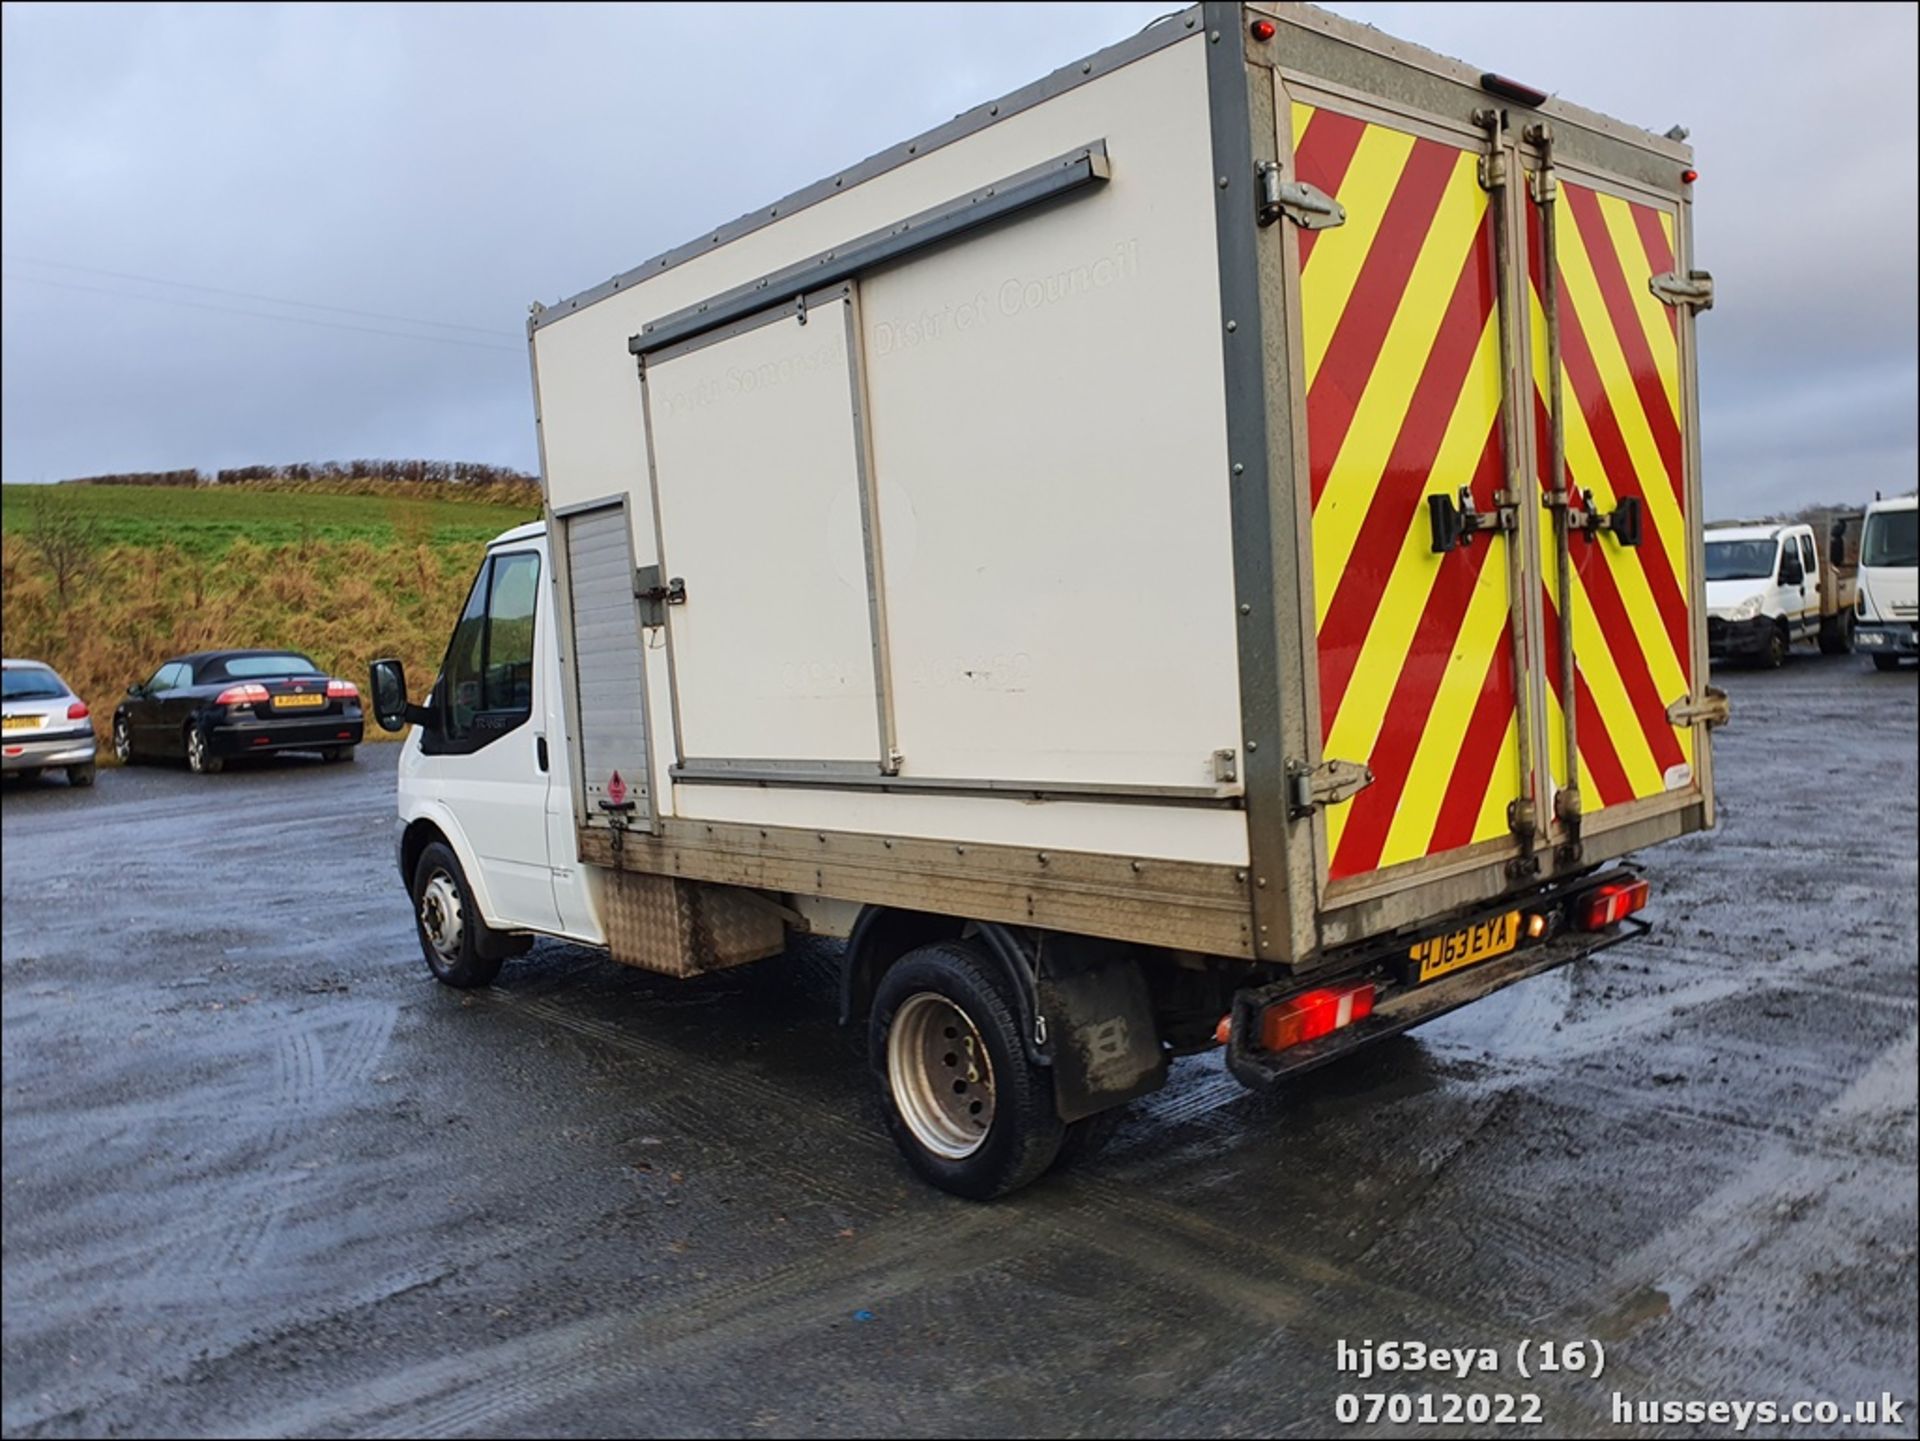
[[540, 751]]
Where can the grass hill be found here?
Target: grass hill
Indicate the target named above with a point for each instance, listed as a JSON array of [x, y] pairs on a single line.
[[103, 582]]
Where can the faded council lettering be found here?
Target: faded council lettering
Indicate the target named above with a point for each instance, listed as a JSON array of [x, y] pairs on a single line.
[[1013, 297], [742, 380]]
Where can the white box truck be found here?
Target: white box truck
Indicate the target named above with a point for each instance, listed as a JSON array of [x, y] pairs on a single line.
[[1887, 610], [1160, 561]]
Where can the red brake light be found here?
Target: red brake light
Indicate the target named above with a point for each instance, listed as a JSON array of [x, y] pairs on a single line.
[[1262, 29], [1689, 176], [1598, 909], [250, 694], [77, 711], [1309, 1016], [343, 690]]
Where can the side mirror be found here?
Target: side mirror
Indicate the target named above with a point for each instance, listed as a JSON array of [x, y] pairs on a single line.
[[135, 691], [387, 684]]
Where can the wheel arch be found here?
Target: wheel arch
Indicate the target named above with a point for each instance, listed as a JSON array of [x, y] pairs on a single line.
[[433, 822]]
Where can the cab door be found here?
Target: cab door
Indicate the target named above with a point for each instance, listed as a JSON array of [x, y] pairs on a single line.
[[487, 751]]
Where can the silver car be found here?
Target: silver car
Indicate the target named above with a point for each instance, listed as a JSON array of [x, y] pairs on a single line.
[[46, 725]]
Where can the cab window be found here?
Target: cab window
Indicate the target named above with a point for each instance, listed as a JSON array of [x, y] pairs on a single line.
[[1807, 561], [486, 683]]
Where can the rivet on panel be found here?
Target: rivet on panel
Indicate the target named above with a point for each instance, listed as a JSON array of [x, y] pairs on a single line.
[[1223, 182], [1262, 883], [1245, 609], [1232, 325]]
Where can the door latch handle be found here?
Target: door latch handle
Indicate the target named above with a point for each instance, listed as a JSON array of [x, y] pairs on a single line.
[[1623, 522], [1457, 525], [540, 751]]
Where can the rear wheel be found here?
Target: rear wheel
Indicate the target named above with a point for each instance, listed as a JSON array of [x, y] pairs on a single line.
[[1836, 634], [81, 776], [334, 754], [965, 1106], [200, 757], [448, 923], [1886, 662]]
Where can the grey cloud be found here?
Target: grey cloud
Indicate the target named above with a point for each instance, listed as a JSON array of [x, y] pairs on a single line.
[[456, 163]]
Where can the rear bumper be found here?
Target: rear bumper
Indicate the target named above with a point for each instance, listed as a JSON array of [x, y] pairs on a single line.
[[70, 748], [250, 737], [1739, 637], [1399, 1005], [1887, 637]]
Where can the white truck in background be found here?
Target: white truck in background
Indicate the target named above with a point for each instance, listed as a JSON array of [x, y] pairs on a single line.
[[1772, 585], [1098, 557], [1887, 614]]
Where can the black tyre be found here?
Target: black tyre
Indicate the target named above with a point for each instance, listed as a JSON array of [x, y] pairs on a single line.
[[1776, 648], [1088, 1136], [81, 776], [200, 757], [452, 935], [965, 1106], [122, 741], [1886, 662], [1836, 634], [333, 755]]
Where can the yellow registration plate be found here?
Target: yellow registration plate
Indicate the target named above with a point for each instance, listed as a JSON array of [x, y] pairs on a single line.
[[1439, 955], [298, 702], [20, 723]]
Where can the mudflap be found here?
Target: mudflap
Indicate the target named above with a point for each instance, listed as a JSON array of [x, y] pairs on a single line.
[[1101, 1036]]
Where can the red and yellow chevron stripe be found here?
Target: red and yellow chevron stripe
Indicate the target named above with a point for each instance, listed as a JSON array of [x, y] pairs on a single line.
[[1403, 400], [1619, 353]]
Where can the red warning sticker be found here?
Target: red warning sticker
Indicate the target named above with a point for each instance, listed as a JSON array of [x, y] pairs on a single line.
[[616, 789]]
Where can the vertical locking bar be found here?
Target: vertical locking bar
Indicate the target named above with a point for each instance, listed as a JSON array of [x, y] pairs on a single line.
[[1566, 802], [1521, 818]]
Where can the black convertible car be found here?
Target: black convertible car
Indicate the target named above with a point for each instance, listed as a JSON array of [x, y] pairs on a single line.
[[223, 703]]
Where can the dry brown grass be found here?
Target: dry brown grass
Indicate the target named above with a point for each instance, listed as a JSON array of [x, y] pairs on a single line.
[[342, 602]]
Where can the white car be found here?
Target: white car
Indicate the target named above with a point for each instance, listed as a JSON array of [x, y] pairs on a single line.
[[47, 726]]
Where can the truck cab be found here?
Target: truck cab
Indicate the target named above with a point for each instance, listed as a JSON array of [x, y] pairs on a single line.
[[483, 779], [1888, 604], [1764, 585]]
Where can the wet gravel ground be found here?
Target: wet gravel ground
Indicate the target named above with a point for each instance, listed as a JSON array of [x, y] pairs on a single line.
[[262, 1176]]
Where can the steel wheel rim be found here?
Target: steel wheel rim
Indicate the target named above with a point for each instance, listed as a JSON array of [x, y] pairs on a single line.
[[441, 917], [940, 1075]]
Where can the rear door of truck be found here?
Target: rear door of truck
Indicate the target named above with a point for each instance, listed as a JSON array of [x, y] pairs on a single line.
[[1421, 375]]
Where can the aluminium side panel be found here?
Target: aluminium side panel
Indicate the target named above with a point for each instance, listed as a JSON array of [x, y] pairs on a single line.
[[1050, 518]]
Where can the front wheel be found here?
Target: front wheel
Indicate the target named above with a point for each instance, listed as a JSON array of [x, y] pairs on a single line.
[[122, 741], [1776, 648], [200, 757], [967, 1108], [448, 923]]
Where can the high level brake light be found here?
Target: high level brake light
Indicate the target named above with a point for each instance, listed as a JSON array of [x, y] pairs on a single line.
[[250, 694], [343, 690], [1308, 1016], [1598, 909]]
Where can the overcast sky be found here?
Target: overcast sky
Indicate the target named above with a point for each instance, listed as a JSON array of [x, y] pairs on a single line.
[[172, 172]]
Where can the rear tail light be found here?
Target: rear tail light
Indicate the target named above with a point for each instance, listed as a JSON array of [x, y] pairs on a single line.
[[343, 690], [251, 694], [1598, 909], [77, 711], [1308, 1016]]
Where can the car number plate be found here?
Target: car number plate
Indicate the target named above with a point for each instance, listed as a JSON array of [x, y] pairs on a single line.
[[297, 702], [1439, 955], [20, 723]]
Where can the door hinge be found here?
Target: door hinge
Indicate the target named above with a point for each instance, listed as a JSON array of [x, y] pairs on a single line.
[[1226, 768], [1693, 290], [1307, 206], [1456, 525], [654, 597], [1712, 710], [1327, 784]]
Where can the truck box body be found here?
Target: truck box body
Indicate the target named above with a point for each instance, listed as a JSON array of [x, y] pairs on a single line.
[[1037, 522]]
